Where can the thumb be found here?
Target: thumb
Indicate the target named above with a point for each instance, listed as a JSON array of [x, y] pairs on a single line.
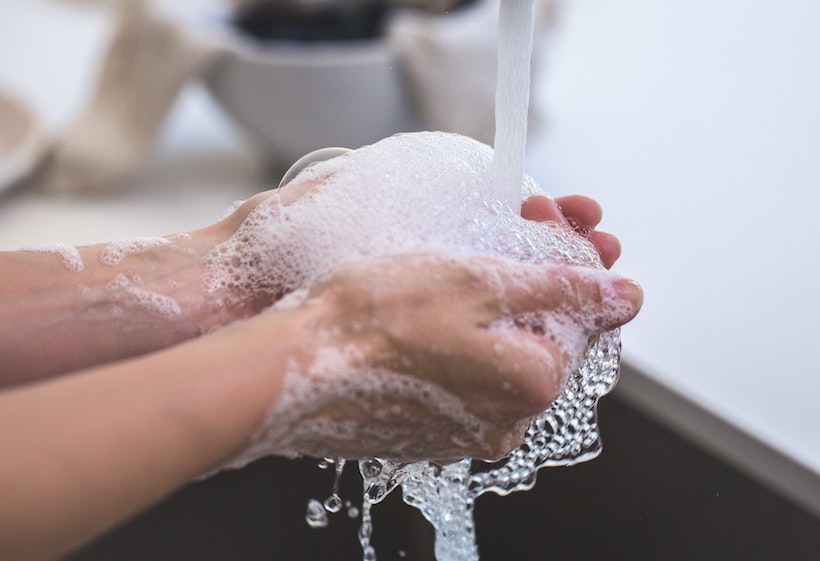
[[622, 299], [595, 298]]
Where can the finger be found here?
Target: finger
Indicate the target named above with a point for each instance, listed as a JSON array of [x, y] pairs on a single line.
[[296, 189], [591, 301], [240, 211], [607, 245], [542, 209], [517, 376], [580, 211], [595, 297]]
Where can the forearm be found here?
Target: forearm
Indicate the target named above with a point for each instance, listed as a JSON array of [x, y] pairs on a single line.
[[83, 452], [113, 301]]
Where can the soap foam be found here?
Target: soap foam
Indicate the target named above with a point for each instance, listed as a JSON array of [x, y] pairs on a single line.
[[69, 255], [154, 303], [298, 426], [120, 281], [115, 252], [411, 193]]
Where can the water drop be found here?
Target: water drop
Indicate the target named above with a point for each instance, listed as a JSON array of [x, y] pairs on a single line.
[[333, 504], [371, 468], [316, 515]]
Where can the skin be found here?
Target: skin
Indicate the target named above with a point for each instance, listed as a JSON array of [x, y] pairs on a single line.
[[144, 410]]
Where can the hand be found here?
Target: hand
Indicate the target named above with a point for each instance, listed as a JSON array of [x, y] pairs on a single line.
[[576, 211], [437, 357], [581, 214]]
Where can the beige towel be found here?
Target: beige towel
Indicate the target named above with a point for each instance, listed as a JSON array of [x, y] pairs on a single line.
[[149, 60], [449, 62]]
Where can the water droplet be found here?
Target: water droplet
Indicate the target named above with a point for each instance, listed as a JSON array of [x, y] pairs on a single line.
[[371, 468], [333, 504], [316, 515], [369, 553]]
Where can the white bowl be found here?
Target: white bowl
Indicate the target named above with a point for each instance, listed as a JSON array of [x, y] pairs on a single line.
[[298, 97]]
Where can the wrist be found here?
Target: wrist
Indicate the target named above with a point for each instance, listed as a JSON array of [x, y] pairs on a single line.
[[152, 289], [109, 301]]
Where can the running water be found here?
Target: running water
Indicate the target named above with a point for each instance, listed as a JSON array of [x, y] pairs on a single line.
[[512, 96]]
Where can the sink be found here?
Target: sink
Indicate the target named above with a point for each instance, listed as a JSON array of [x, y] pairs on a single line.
[[652, 495]]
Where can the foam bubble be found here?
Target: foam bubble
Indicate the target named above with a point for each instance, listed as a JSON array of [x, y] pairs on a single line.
[[302, 421], [231, 209], [115, 252], [411, 193], [120, 281], [69, 255], [154, 303]]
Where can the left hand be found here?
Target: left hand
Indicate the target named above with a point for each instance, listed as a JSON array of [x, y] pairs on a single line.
[[581, 214]]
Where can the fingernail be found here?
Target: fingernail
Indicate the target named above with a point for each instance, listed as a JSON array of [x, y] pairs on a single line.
[[628, 289]]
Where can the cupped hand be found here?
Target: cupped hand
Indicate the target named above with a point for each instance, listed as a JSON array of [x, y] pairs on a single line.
[[580, 213], [442, 356], [576, 211]]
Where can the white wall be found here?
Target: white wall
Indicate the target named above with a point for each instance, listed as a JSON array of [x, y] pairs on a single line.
[[697, 125]]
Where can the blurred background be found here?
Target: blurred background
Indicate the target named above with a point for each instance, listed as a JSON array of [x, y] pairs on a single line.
[[695, 124]]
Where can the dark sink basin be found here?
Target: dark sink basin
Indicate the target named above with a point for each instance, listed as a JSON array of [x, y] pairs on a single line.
[[652, 495]]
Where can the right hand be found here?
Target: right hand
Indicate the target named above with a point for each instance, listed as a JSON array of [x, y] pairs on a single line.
[[448, 325]]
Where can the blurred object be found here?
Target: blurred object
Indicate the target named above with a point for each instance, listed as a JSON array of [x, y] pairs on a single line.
[[286, 20], [23, 143], [148, 62], [427, 69], [432, 6], [399, 65], [451, 63], [297, 97]]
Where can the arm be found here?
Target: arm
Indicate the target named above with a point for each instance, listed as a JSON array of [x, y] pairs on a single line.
[[56, 319], [83, 452], [85, 306]]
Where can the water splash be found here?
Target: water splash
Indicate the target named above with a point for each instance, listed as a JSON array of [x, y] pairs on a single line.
[[333, 503], [565, 434]]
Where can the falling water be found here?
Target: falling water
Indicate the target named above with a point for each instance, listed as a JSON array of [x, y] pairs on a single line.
[[512, 95]]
